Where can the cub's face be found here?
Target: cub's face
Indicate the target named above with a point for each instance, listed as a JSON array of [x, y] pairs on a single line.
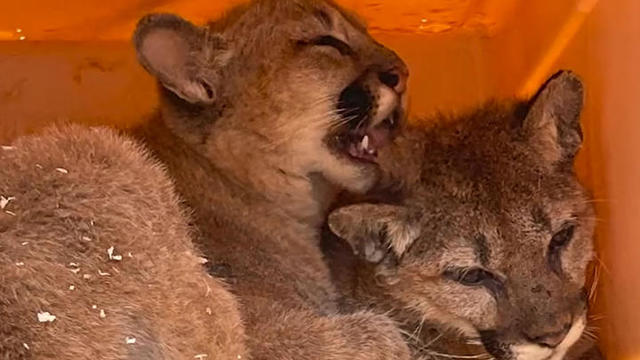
[[298, 80], [494, 234]]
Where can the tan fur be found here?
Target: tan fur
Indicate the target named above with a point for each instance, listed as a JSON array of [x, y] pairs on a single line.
[[248, 124], [76, 192], [487, 191]]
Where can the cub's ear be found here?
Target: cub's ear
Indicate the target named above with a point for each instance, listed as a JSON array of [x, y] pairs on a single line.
[[552, 124], [185, 58], [373, 230]]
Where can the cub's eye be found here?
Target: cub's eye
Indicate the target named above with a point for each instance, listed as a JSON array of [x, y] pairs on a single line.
[[476, 277], [328, 40], [558, 242], [468, 276], [562, 237]]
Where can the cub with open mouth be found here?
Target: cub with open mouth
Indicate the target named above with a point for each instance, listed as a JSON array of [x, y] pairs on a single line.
[[264, 115]]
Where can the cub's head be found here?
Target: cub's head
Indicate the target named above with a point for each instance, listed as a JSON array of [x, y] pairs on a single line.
[[299, 83], [493, 233]]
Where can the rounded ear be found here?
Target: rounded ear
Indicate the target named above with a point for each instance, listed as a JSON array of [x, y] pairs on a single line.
[[552, 124], [186, 59], [372, 230]]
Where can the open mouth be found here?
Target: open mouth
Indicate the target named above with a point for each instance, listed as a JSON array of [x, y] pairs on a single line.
[[363, 144], [366, 126]]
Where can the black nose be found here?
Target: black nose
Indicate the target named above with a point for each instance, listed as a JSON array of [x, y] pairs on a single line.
[[550, 339], [389, 78]]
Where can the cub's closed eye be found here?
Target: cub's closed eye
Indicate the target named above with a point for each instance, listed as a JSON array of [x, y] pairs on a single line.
[[475, 277], [468, 276], [328, 40]]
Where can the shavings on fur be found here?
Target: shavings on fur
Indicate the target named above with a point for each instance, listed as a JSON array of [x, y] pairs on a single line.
[[239, 357], [129, 255], [102, 314], [129, 340], [26, 346], [4, 201], [39, 166], [10, 212], [94, 307], [19, 263], [71, 287], [86, 238], [7, 147], [208, 310], [24, 243], [202, 260], [103, 273], [112, 256], [201, 356], [45, 316], [86, 276], [62, 170], [76, 267]]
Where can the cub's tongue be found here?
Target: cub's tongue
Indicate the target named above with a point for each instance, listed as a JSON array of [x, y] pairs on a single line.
[[366, 147], [379, 136]]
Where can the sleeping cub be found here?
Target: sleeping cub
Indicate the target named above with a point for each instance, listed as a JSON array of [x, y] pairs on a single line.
[[488, 231]]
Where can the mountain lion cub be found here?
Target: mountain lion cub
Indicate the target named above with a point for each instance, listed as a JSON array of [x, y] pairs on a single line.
[[264, 114], [491, 232]]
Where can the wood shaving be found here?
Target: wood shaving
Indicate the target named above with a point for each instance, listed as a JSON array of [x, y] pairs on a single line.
[[75, 271], [24, 243], [102, 314], [239, 357], [8, 147], [102, 273], [86, 238], [202, 260], [39, 166], [45, 316], [4, 201], [208, 310], [130, 340], [129, 255], [10, 212], [74, 264], [94, 307], [86, 276], [19, 263], [112, 256], [201, 356], [71, 287], [62, 170], [26, 346]]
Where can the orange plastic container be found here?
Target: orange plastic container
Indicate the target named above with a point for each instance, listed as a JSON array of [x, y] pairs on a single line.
[[73, 62]]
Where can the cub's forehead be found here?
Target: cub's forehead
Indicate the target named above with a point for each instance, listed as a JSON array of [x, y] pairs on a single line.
[[326, 14]]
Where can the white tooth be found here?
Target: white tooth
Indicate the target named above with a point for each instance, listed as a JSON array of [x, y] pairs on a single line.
[[365, 142]]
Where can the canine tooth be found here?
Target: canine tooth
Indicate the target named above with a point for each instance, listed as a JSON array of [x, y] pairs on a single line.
[[365, 142]]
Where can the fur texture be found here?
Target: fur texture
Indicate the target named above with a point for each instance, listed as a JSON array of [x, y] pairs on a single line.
[[261, 116], [91, 233], [489, 233]]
